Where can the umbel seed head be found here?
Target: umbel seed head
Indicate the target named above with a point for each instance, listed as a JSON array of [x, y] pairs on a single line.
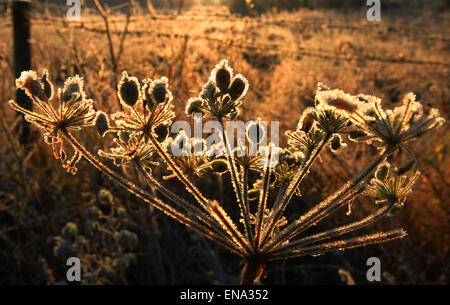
[[128, 90], [72, 86], [162, 132], [238, 87], [101, 123], [335, 143], [307, 120], [159, 92], [47, 85], [223, 79], [221, 75], [29, 82], [194, 105], [382, 172]]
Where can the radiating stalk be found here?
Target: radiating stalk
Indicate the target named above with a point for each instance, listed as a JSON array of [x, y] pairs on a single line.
[[351, 243], [281, 206], [139, 192], [322, 209], [263, 201], [190, 187], [235, 180], [192, 210], [311, 239]]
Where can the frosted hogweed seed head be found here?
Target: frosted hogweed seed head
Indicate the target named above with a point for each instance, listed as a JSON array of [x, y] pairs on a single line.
[[162, 133], [159, 90], [101, 123], [72, 86], [147, 96], [238, 87], [47, 85], [337, 99], [194, 105], [129, 90], [335, 143], [208, 91], [383, 171], [222, 74], [307, 120], [29, 82]]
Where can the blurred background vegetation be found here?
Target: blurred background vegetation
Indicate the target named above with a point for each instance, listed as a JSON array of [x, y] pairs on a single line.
[[284, 49]]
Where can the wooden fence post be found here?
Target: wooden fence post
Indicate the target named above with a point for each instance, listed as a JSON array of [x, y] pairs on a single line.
[[21, 10]]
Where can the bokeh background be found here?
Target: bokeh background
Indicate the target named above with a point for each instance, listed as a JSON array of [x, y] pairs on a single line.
[[284, 48]]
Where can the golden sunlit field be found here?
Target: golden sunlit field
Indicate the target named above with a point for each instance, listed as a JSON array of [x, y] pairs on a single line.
[[48, 215]]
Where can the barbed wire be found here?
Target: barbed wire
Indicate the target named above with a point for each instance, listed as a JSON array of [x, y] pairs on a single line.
[[244, 44], [274, 48]]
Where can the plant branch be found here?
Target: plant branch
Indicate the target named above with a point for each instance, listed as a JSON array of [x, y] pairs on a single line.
[[147, 197]]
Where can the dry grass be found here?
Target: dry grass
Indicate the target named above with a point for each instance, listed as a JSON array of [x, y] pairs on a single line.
[[283, 56]]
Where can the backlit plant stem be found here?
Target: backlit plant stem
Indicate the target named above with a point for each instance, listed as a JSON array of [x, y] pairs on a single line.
[[301, 173], [235, 180], [324, 208], [147, 197]]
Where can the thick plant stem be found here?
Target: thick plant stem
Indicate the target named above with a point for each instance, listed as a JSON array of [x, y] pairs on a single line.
[[251, 272]]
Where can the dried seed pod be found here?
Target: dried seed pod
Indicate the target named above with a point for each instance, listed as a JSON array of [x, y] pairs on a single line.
[[238, 87], [337, 99], [382, 171], [159, 92], [208, 91], [29, 82], [335, 143], [194, 105], [101, 123], [72, 86], [307, 120], [222, 75], [92, 212], [47, 85], [223, 79], [129, 240], [162, 132], [129, 90]]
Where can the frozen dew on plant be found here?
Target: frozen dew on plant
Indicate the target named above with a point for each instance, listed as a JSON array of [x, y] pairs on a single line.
[[262, 231]]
